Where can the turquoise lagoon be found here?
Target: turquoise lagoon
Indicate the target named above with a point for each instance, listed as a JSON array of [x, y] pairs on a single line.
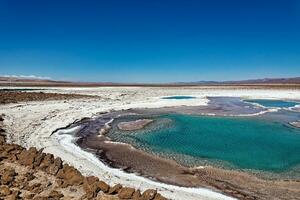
[[254, 143], [273, 103]]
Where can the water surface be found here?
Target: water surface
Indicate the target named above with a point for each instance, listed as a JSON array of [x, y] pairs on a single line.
[[258, 143], [179, 97], [273, 103]]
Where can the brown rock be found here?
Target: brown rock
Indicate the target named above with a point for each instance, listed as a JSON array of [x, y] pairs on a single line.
[[29, 176], [55, 195], [126, 193], [47, 161], [34, 187], [40, 198], [59, 182], [29, 195], [11, 151], [149, 194], [38, 159], [4, 190], [27, 157], [159, 197], [103, 186], [12, 197], [88, 182], [2, 139], [8, 176], [70, 175], [115, 189], [136, 195], [57, 165]]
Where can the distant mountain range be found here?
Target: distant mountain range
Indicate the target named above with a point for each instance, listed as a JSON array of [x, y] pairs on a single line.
[[15, 81], [295, 80]]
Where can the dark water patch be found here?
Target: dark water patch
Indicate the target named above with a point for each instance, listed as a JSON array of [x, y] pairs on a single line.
[[179, 97]]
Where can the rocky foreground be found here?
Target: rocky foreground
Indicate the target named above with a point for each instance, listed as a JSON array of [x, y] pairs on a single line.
[[15, 96], [33, 174]]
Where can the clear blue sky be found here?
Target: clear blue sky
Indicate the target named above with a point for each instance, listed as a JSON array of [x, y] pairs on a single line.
[[150, 41]]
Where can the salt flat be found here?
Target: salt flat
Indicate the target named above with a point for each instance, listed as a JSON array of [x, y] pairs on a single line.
[[32, 124]]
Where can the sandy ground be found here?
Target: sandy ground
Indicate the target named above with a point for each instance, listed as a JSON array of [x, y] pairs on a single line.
[[32, 123]]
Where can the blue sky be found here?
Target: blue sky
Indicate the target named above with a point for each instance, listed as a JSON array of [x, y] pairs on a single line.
[[150, 41]]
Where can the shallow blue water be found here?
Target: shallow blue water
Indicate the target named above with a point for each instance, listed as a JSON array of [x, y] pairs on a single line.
[[247, 143], [273, 103], [179, 97]]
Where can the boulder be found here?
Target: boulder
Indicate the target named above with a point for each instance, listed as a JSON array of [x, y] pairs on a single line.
[[159, 197], [55, 166], [29, 195], [149, 194], [90, 185], [33, 187], [136, 195], [103, 186], [27, 157], [70, 175], [10, 151], [126, 193], [38, 159], [88, 182], [8, 177], [2, 139], [46, 162], [4, 190], [115, 189], [55, 195]]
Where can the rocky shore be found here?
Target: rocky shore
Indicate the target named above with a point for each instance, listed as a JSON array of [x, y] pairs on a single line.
[[18, 96], [33, 174]]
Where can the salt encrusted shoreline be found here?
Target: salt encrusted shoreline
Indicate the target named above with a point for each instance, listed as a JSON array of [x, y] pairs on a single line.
[[31, 124]]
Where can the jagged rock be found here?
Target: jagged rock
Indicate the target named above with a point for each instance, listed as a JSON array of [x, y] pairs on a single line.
[[126, 193], [2, 139], [55, 195], [4, 190], [70, 175], [35, 188], [27, 157], [7, 177], [103, 186], [59, 182], [29, 195], [88, 182], [38, 159], [136, 195], [55, 166], [12, 197], [40, 198], [115, 189], [10, 151], [90, 185], [29, 176], [149, 194], [46, 162], [159, 197]]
